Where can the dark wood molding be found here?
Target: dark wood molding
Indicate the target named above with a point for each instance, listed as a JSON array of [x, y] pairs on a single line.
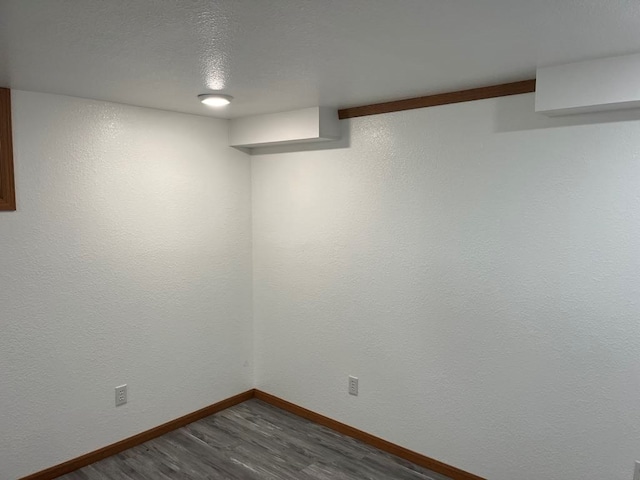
[[113, 449], [7, 182], [503, 90], [92, 457], [417, 458]]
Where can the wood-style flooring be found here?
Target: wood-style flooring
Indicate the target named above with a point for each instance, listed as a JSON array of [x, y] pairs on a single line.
[[253, 441]]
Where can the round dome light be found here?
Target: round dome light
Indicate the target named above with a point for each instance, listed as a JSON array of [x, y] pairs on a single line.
[[215, 99]]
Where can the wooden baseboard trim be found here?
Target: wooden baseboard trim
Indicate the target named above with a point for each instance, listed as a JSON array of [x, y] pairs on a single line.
[[92, 457], [493, 91], [115, 448], [414, 457]]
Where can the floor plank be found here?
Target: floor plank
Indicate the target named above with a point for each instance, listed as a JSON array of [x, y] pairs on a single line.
[[253, 441]]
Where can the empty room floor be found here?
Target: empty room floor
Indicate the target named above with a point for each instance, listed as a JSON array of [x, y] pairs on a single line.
[[254, 440]]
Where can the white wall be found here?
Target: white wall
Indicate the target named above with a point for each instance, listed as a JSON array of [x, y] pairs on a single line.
[[128, 261], [477, 266]]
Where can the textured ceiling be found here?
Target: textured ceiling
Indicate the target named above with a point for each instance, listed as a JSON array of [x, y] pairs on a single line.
[[283, 54]]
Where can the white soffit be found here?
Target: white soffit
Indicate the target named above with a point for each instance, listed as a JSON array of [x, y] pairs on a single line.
[[313, 124], [611, 83]]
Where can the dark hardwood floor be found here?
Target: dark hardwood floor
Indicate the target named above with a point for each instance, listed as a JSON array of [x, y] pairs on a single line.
[[254, 441]]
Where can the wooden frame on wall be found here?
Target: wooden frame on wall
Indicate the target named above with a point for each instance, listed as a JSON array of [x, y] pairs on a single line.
[[7, 181]]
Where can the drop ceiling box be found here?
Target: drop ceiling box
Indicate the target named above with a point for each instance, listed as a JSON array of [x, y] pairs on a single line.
[[315, 124], [611, 83]]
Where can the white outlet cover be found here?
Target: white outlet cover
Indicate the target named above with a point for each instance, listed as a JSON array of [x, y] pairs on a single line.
[[121, 395], [353, 385], [636, 472]]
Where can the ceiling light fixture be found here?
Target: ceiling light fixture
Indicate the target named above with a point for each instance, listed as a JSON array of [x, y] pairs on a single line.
[[215, 99]]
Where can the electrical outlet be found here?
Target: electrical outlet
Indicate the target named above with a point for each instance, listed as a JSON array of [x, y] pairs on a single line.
[[636, 472], [121, 395], [353, 385]]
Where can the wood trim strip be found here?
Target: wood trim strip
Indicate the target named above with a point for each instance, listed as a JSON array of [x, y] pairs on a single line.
[[414, 457], [92, 457], [115, 448], [7, 181], [503, 90]]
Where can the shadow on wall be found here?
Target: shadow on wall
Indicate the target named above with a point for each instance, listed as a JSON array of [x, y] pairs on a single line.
[[509, 116], [343, 142]]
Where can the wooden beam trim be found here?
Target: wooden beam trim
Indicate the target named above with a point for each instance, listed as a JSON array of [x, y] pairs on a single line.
[[493, 91], [127, 443], [414, 457], [7, 182]]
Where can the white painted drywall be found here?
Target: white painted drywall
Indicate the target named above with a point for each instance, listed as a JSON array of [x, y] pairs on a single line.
[[477, 266], [283, 55], [128, 261], [589, 86], [313, 124]]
